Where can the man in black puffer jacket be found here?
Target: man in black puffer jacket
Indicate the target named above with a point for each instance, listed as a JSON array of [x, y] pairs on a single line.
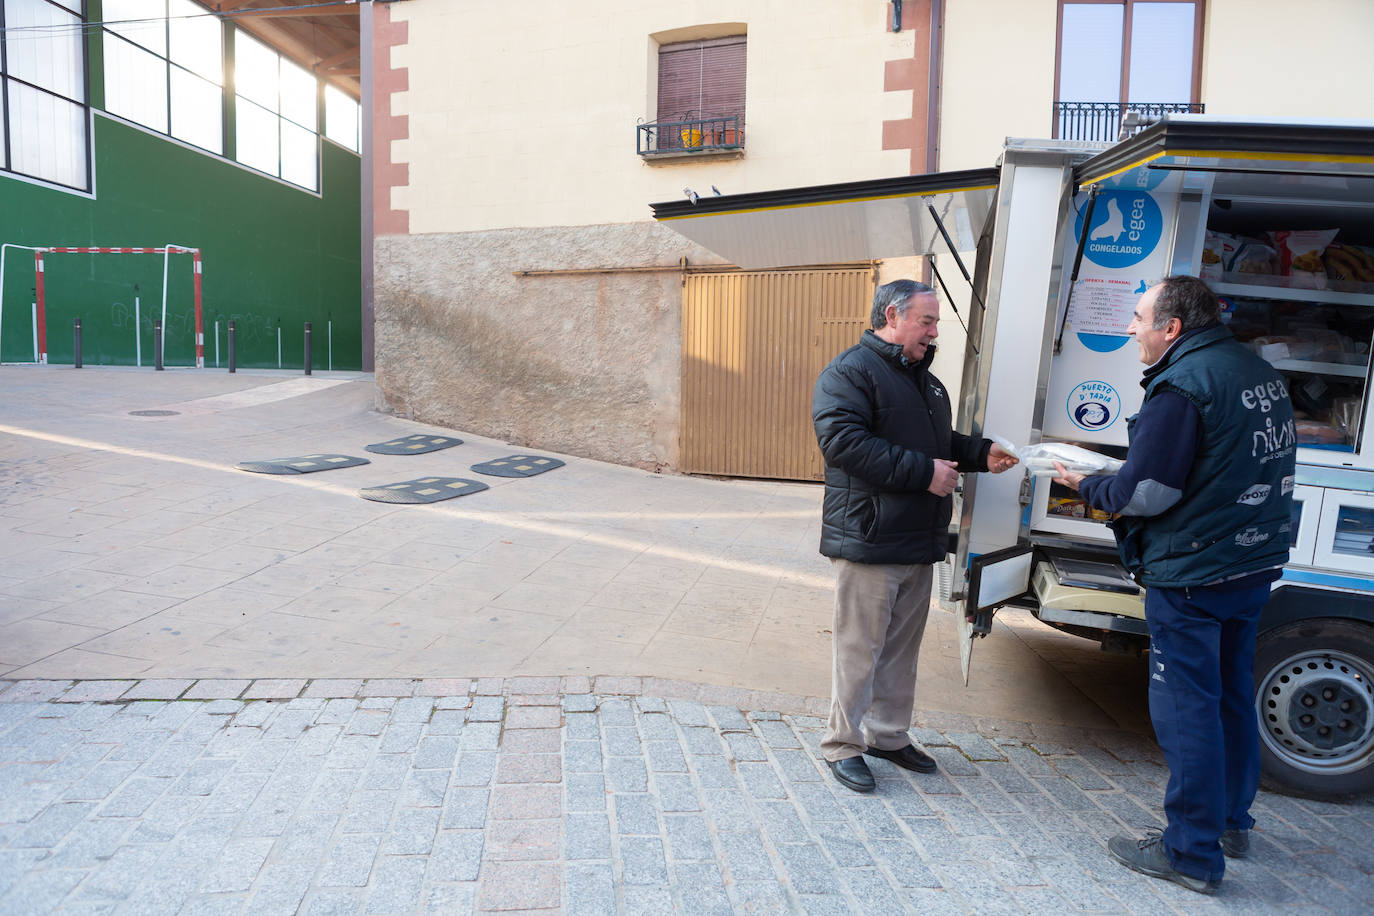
[[892, 459]]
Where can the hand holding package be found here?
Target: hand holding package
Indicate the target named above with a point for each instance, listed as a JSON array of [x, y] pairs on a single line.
[[1039, 459]]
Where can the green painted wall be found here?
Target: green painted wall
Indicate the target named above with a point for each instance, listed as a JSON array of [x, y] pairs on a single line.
[[274, 256]]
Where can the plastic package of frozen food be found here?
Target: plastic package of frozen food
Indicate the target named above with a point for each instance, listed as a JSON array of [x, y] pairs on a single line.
[[1254, 257], [1039, 459], [1316, 344], [1218, 250]]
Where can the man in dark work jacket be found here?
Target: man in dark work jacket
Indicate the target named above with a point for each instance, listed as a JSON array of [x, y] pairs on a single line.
[[892, 459], [1204, 505]]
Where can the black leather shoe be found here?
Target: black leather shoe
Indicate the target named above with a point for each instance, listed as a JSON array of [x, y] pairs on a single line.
[[1236, 843], [1146, 855], [908, 758], [853, 773]]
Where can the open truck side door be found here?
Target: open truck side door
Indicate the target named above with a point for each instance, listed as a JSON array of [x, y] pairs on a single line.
[[993, 579]]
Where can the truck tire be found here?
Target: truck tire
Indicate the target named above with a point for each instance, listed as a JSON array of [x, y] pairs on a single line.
[[1314, 692]]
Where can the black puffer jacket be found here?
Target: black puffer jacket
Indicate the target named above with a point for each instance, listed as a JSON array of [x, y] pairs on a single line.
[[880, 423]]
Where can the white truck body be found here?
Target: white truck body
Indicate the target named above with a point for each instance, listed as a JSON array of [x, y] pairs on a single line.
[[1067, 234]]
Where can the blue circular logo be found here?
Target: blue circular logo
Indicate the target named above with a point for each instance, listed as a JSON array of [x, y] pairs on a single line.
[[1093, 406], [1127, 225]]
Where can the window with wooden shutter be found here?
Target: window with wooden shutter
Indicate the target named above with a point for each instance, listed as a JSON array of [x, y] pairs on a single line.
[[701, 79]]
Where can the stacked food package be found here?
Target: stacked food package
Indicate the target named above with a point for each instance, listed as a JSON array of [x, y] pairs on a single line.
[[1298, 259]]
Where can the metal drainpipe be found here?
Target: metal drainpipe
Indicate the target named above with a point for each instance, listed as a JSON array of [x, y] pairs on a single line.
[[896, 15], [933, 85], [932, 163]]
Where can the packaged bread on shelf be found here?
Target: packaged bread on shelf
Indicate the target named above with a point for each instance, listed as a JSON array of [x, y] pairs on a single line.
[[1349, 263]]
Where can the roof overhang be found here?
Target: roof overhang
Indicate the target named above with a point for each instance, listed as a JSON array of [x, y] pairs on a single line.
[[837, 223], [322, 35]]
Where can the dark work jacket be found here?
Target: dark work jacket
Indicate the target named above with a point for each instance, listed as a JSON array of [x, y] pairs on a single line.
[[1234, 516], [880, 422]]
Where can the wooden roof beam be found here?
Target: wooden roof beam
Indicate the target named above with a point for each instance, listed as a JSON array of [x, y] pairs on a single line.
[[332, 61], [317, 13]]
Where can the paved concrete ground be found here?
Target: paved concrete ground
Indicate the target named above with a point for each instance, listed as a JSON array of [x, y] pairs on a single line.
[[547, 794], [593, 691], [131, 547]]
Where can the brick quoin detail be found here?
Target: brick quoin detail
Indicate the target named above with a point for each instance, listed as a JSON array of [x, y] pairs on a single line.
[[911, 73], [387, 127]]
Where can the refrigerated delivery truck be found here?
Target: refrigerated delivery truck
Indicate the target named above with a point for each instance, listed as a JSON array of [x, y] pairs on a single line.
[[1057, 241]]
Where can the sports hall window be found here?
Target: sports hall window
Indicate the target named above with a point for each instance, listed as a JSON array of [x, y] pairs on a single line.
[[43, 115], [164, 68], [276, 114], [341, 118]]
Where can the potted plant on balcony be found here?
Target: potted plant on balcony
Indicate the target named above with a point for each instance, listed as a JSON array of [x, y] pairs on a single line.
[[723, 131]]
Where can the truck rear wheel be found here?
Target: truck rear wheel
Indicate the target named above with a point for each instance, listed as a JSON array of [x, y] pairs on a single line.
[[1314, 692]]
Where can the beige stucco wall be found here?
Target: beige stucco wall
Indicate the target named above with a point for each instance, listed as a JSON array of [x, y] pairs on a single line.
[[998, 77], [524, 114], [521, 156], [1282, 59]]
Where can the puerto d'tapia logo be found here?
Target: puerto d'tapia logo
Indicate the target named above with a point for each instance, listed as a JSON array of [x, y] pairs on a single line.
[[1094, 405]]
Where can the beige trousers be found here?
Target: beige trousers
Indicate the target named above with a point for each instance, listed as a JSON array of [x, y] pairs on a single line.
[[880, 617]]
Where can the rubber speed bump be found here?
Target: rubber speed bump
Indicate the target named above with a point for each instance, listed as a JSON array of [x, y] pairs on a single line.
[[517, 466], [414, 445], [424, 490], [306, 464]]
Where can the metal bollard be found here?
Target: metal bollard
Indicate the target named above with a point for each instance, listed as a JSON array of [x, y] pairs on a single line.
[[157, 344], [231, 346], [307, 348], [76, 335]]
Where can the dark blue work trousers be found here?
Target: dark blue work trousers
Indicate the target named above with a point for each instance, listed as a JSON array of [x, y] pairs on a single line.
[[1202, 659]]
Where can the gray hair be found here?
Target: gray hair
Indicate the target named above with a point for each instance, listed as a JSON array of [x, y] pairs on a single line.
[[1188, 299], [898, 293]]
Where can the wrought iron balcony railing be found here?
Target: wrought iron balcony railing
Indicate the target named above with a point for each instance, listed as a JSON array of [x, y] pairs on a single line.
[[694, 135], [1102, 120]]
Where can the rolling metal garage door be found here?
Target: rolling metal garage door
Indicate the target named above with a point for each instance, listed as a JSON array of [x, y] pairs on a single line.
[[753, 343]]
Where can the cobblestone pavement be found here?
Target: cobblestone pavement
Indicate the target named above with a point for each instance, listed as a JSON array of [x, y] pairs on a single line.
[[582, 796]]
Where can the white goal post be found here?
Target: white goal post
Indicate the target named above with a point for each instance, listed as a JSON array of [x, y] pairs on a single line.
[[40, 311]]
